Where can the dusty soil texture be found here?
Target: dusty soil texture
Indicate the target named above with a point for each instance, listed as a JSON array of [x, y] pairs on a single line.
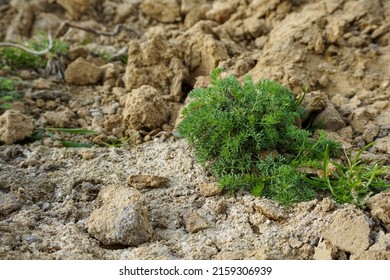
[[149, 199]]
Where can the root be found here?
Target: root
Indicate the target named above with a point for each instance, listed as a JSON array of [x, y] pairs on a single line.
[[13, 45], [65, 25]]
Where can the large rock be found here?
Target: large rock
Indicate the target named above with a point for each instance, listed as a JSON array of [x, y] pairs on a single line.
[[145, 109], [15, 126], [203, 50], [167, 11], [379, 205], [76, 8], [329, 119], [156, 63], [349, 231], [81, 72], [122, 219]]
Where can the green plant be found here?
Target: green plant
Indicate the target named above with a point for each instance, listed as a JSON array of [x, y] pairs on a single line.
[[7, 93], [352, 181], [246, 136], [113, 142], [17, 58], [40, 133]]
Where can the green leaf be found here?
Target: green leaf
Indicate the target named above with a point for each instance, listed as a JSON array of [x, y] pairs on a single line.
[[75, 144], [73, 130]]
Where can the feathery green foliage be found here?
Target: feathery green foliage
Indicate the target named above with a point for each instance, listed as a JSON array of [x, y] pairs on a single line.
[[246, 135]]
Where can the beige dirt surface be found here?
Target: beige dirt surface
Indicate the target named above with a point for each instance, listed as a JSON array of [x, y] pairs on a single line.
[[149, 198]]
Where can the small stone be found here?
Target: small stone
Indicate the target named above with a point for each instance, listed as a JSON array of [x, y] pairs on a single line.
[[295, 243], [382, 145], [372, 255], [329, 118], [145, 108], [122, 219], [385, 84], [25, 74], [380, 104], [9, 202], [323, 81], [75, 8], [371, 131], [41, 84], [220, 207], [327, 204], [195, 223], [349, 231], [209, 189], [167, 11], [270, 210], [15, 126], [60, 119], [380, 31], [81, 72], [76, 52], [314, 102], [86, 154], [241, 255], [261, 41], [324, 251], [147, 181]]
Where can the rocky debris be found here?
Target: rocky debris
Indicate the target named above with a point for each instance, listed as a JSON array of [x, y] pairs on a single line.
[[336, 50], [155, 63], [314, 102], [81, 72], [382, 242], [64, 118], [270, 209], [145, 109], [370, 132], [167, 11], [349, 231], [382, 145], [15, 126], [329, 119], [76, 8], [9, 202], [41, 84], [209, 189], [147, 181], [241, 255], [372, 255], [379, 206], [325, 251], [122, 218], [195, 223], [203, 50]]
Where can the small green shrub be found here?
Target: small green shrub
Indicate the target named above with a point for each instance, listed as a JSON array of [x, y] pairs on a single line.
[[246, 136], [19, 59], [7, 93]]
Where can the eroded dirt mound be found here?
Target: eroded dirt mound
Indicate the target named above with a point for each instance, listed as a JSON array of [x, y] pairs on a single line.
[[53, 200]]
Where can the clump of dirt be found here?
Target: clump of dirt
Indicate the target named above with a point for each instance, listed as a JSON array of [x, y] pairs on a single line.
[[131, 89]]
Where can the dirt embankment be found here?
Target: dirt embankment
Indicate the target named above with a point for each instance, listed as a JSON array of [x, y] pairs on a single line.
[[59, 203]]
